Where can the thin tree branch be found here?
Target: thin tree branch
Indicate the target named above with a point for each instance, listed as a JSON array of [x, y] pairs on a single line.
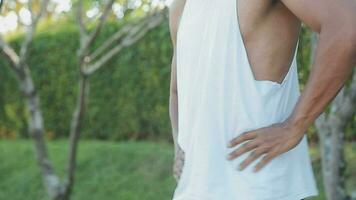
[[98, 28], [75, 133], [31, 28], [80, 21], [10, 54], [42, 10], [117, 36], [114, 38], [30, 8], [134, 34]]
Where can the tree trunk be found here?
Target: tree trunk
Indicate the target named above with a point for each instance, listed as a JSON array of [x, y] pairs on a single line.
[[330, 127], [333, 161], [129, 35], [75, 133], [36, 129]]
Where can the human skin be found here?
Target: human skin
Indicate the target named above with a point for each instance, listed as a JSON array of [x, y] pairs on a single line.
[[335, 21], [175, 12], [263, 24]]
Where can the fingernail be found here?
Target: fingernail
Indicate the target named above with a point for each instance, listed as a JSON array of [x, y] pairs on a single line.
[[228, 144], [240, 167], [228, 157]]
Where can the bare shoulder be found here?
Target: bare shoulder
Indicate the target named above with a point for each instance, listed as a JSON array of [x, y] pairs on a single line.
[[175, 11], [318, 13]]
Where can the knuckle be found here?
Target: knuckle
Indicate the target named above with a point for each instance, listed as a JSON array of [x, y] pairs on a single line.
[[254, 134], [245, 145], [259, 166], [260, 151], [254, 154], [258, 141], [266, 147], [239, 152], [265, 159], [234, 154]]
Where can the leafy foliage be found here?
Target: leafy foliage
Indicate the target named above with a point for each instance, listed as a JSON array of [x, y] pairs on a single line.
[[128, 98]]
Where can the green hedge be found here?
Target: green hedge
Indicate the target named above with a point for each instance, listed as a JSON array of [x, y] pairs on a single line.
[[128, 98]]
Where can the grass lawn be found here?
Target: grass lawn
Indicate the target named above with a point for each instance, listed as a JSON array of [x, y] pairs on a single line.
[[109, 170]]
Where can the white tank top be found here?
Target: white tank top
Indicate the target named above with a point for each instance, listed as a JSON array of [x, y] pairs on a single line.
[[218, 99]]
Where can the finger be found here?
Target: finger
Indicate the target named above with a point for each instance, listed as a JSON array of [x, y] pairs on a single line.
[[241, 150], [264, 161], [252, 157], [243, 137]]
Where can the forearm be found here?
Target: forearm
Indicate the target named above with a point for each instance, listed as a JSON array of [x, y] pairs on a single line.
[[173, 113], [173, 104], [334, 61]]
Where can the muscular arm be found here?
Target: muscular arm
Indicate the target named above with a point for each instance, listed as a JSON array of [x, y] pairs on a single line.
[[335, 21]]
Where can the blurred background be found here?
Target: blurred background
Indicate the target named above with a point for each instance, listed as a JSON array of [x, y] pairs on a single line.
[[99, 71]]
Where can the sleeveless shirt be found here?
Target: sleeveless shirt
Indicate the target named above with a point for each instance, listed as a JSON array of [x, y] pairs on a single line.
[[219, 99]]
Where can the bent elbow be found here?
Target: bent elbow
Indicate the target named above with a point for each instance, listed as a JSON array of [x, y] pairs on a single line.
[[350, 40], [353, 39], [345, 33], [350, 32]]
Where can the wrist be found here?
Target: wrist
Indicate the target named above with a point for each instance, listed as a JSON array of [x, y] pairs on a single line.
[[298, 124]]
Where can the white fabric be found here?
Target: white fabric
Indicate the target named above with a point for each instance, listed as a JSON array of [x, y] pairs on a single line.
[[218, 99]]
